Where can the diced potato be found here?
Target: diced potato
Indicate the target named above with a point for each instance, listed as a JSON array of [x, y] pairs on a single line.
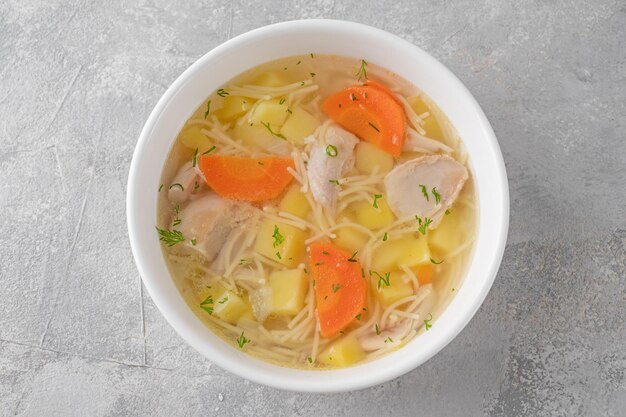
[[295, 202], [226, 305], [272, 79], [272, 112], [451, 232], [258, 137], [192, 138], [350, 239], [397, 289], [289, 288], [406, 251], [431, 125], [369, 156], [233, 107], [288, 250], [343, 352], [371, 217], [299, 125]]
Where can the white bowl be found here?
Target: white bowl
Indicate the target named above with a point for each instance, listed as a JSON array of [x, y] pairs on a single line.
[[320, 37]]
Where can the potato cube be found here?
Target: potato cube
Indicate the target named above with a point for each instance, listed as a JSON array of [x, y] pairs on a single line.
[[372, 217], [258, 137], [396, 290], [289, 288], [406, 251], [233, 107], [299, 125], [343, 352], [272, 79], [224, 303], [431, 125], [350, 239], [281, 242], [369, 156], [192, 137], [272, 112], [295, 202], [451, 232]]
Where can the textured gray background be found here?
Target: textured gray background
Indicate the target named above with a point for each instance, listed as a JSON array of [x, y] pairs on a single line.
[[79, 336]]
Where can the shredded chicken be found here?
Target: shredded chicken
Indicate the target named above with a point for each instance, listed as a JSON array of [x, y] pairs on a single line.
[[330, 159], [208, 221], [425, 187], [183, 183], [414, 142]]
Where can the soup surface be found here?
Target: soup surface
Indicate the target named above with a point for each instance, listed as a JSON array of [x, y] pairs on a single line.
[[317, 212]]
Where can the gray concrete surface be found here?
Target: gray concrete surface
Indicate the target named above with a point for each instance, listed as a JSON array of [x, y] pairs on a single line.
[[80, 337]]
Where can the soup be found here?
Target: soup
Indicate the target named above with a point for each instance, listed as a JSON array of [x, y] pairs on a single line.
[[317, 212]]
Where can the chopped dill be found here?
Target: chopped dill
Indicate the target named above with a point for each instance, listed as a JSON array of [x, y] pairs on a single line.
[[170, 237], [376, 197], [362, 73], [331, 150]]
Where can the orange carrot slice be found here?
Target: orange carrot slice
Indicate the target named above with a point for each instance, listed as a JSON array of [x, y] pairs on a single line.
[[425, 275], [248, 179], [372, 113], [340, 290]]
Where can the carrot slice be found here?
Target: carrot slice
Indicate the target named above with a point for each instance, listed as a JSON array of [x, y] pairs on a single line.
[[372, 113], [248, 179], [425, 275], [340, 290]]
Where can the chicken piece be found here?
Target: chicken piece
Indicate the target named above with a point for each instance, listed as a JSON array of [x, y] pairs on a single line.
[[330, 159], [209, 220], [183, 183], [414, 142], [407, 184]]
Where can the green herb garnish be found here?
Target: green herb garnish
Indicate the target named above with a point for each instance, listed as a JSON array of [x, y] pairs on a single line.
[[352, 97], [376, 197], [309, 359], [282, 101], [335, 287], [223, 300], [312, 74], [382, 280], [269, 128], [424, 192], [211, 149], [385, 237], [242, 340], [435, 262], [362, 73], [170, 237], [177, 185], [447, 211], [208, 108], [358, 316], [423, 224], [196, 185], [195, 158], [374, 126], [389, 339], [331, 150], [160, 187], [278, 238], [222, 93], [436, 195], [427, 324], [352, 259], [278, 255], [207, 304], [334, 182], [193, 242], [377, 330]]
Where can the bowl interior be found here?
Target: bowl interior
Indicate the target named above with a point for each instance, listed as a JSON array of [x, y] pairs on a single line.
[[321, 37]]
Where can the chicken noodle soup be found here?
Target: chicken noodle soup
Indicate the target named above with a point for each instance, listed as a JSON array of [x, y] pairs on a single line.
[[317, 212]]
